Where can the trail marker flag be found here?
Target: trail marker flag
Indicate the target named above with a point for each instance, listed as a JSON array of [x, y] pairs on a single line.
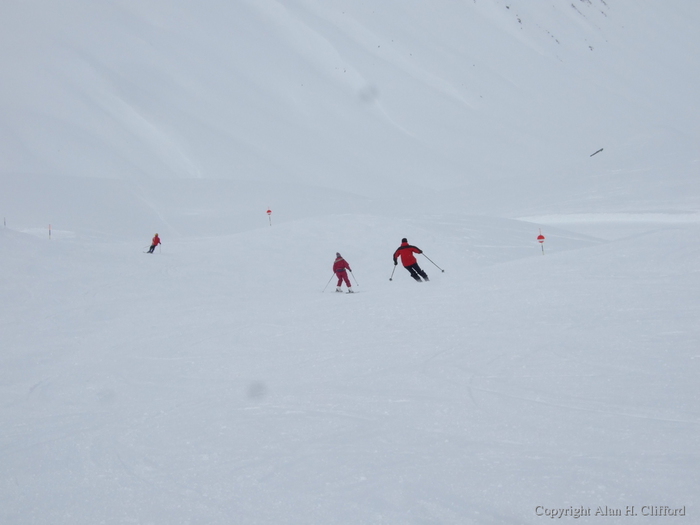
[[269, 216], [540, 239]]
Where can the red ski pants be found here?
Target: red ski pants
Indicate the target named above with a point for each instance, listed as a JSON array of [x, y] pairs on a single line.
[[343, 276]]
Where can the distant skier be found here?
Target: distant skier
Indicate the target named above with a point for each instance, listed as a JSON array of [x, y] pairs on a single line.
[[341, 269], [155, 242], [406, 251]]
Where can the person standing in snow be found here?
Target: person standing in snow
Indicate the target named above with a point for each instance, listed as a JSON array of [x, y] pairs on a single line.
[[341, 269], [406, 251], [155, 242]]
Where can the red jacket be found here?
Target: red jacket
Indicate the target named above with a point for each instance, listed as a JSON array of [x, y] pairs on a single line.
[[340, 265], [406, 251], [155, 241]]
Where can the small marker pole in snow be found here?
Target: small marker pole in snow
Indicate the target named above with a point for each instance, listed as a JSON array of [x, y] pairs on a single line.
[[601, 149], [443, 271], [49, 232], [269, 216], [329, 282], [540, 239]]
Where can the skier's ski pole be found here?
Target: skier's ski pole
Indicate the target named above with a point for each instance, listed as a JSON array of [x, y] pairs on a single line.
[[392, 273], [443, 271], [353, 276], [329, 282]]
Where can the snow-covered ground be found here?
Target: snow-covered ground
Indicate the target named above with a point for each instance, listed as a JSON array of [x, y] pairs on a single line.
[[216, 381]]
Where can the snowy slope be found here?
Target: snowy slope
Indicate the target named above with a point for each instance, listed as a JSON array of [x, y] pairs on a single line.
[[216, 382], [487, 106], [209, 383]]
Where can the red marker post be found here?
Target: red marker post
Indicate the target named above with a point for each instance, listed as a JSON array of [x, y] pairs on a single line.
[[540, 239], [269, 216]]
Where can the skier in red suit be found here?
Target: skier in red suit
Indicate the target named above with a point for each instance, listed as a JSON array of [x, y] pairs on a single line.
[[406, 251], [155, 242], [341, 269]]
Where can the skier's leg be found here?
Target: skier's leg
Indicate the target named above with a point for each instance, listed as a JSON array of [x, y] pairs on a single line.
[[421, 272], [347, 280], [412, 270]]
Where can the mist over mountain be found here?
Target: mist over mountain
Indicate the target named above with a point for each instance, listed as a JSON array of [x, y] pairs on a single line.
[[207, 114]]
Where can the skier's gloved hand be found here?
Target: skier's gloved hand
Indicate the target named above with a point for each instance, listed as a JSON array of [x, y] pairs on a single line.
[[395, 263]]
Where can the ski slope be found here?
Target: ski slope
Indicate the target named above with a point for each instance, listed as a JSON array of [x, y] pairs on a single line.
[[216, 381]]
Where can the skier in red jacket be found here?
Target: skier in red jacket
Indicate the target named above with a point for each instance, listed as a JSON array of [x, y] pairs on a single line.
[[341, 268], [406, 251], [155, 242]]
